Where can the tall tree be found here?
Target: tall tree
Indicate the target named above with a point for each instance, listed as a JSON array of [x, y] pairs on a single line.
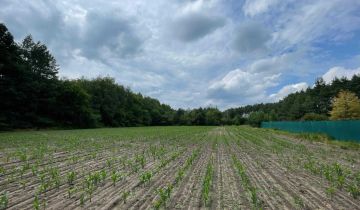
[[213, 116], [39, 59], [42, 84], [345, 106], [10, 76]]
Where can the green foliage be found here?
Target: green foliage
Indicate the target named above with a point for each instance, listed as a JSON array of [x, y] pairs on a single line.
[[314, 117], [164, 194], [354, 190], [82, 199], [213, 116], [2, 171], [4, 201], [71, 176], [254, 197], [141, 160], [103, 175], [36, 203], [345, 106], [252, 191], [255, 118], [295, 106], [145, 177], [330, 191], [115, 176], [299, 202], [125, 195], [319, 137], [71, 191], [207, 183], [109, 163], [29, 76]]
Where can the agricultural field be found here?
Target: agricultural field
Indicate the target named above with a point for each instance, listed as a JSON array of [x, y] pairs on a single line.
[[175, 168]]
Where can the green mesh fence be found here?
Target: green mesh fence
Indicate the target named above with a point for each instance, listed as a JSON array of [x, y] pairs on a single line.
[[340, 130]]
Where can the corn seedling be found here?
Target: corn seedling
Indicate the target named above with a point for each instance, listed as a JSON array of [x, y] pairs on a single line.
[[4, 201], [90, 190], [103, 175], [354, 190], [164, 194], [43, 187], [125, 195], [254, 198], [141, 160], [109, 163], [55, 177], [256, 202], [115, 176], [330, 191], [34, 169], [71, 191], [207, 183], [134, 167], [145, 177], [71, 176], [299, 202], [36, 203], [82, 199], [2, 171], [23, 184]]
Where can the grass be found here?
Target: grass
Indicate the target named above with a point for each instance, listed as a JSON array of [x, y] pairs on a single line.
[[323, 138]]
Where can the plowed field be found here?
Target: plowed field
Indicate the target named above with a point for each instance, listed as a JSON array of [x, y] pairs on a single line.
[[175, 168]]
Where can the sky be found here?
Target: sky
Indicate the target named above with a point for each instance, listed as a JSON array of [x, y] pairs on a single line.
[[191, 53]]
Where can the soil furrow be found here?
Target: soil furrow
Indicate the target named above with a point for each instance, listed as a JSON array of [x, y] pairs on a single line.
[[190, 187]]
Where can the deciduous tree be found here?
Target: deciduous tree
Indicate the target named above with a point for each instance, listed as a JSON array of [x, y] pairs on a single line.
[[345, 106]]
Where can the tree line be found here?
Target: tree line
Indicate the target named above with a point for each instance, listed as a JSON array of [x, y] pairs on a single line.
[[314, 103], [33, 96]]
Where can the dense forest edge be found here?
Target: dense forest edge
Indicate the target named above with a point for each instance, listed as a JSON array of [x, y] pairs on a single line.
[[33, 96]]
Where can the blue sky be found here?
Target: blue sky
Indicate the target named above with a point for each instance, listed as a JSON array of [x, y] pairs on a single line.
[[197, 53]]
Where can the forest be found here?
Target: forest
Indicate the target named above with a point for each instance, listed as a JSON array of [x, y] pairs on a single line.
[[33, 96]]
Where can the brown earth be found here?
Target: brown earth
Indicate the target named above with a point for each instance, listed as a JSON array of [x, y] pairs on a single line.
[[273, 163]]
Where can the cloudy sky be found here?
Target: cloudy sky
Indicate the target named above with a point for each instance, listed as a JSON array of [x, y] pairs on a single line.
[[189, 53]]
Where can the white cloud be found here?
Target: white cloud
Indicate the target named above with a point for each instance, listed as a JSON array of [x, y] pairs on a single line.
[[84, 67], [133, 41], [286, 90], [250, 84], [196, 6], [276, 64], [317, 21], [242, 86], [256, 7], [339, 72]]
